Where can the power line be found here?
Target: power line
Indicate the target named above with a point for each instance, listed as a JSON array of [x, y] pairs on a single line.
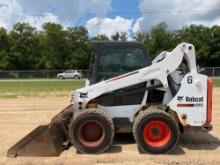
[[122, 13]]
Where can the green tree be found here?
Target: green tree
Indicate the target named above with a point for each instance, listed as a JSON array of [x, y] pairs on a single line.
[[123, 36], [24, 47], [119, 36], [116, 37], [214, 47], [159, 39], [77, 39], [100, 37], [139, 36], [200, 37], [5, 56], [55, 46]]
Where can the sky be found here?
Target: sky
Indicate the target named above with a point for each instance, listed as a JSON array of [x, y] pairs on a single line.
[[110, 16]]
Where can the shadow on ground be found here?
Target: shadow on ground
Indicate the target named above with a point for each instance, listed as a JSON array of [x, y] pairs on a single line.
[[190, 140], [199, 141], [119, 140]]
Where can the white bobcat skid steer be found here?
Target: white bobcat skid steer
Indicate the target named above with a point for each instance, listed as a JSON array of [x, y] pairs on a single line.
[[156, 101]]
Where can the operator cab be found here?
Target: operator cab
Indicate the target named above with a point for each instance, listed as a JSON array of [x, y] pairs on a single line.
[[116, 58], [111, 59]]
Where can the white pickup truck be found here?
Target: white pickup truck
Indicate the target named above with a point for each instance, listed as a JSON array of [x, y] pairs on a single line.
[[69, 74]]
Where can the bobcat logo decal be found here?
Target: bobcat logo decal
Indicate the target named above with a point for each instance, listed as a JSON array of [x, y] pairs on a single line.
[[180, 98], [83, 95]]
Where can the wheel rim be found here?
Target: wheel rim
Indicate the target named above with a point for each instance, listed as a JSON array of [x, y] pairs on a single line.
[[91, 133], [156, 133]]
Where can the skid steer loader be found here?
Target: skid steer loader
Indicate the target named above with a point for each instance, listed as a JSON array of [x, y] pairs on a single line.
[[156, 101]]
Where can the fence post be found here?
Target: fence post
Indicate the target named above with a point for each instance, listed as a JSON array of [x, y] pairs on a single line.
[[47, 80], [17, 75], [213, 72]]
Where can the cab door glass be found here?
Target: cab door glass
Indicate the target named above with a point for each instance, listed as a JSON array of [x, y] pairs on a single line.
[[114, 62]]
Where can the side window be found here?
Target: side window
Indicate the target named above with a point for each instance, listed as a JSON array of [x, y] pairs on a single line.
[[134, 60], [69, 71], [116, 61]]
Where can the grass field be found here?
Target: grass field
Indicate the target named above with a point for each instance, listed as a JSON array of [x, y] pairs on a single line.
[[44, 87], [34, 87], [216, 82]]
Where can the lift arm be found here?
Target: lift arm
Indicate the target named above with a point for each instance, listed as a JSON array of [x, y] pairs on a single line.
[[159, 70]]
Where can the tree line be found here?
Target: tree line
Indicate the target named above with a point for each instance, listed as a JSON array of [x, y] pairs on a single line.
[[53, 47]]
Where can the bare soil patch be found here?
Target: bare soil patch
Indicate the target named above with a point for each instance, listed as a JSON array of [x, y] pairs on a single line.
[[21, 115]]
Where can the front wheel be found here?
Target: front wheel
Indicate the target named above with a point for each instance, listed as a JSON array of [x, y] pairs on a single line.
[[60, 77], [76, 77], [155, 131], [91, 131]]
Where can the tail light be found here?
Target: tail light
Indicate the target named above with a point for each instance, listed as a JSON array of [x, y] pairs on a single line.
[[209, 100]]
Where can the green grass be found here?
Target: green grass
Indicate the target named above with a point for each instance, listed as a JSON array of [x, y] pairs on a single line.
[[45, 87], [12, 88], [216, 82]]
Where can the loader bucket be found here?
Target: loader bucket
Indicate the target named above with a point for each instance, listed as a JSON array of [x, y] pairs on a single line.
[[45, 140]]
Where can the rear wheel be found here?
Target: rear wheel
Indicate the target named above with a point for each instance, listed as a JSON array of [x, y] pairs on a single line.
[[92, 131], [76, 77], [155, 131], [61, 77]]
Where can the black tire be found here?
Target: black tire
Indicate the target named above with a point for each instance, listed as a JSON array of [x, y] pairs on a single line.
[[155, 131], [61, 77], [82, 128], [76, 77]]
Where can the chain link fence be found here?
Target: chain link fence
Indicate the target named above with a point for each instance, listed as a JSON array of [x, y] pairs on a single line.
[[211, 71], [53, 74], [42, 74], [41, 83], [45, 82]]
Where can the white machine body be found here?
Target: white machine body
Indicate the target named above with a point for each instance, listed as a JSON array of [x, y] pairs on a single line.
[[189, 103]]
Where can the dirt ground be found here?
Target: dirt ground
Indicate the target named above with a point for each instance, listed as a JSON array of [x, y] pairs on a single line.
[[19, 116]]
